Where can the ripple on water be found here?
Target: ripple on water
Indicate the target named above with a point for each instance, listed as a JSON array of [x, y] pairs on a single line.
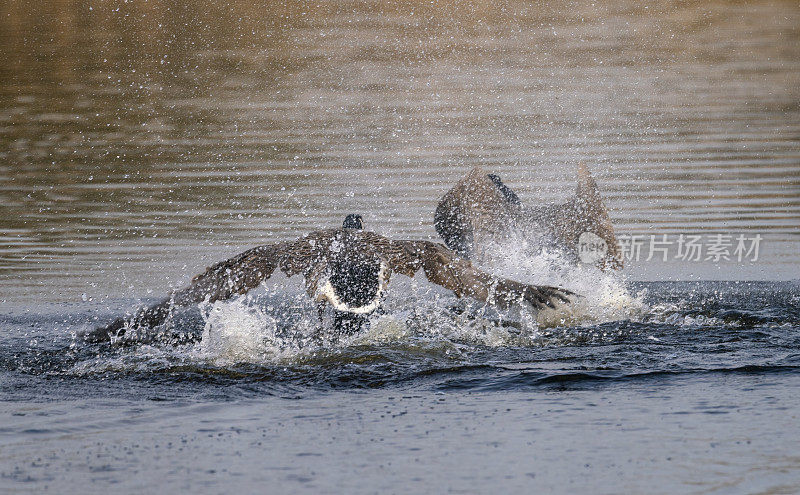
[[270, 343]]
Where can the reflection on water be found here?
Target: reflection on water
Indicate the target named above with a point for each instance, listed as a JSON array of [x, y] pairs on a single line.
[[140, 141]]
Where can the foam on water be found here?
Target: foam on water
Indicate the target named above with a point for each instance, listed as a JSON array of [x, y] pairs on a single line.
[[421, 326], [249, 329], [278, 324], [242, 330], [604, 294], [382, 329], [238, 331]]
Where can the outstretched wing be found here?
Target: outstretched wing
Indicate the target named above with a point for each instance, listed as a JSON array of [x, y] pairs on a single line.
[[228, 278], [233, 276], [443, 267]]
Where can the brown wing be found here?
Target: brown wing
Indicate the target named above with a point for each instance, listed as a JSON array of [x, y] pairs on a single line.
[[475, 212], [246, 271], [443, 267], [228, 278]]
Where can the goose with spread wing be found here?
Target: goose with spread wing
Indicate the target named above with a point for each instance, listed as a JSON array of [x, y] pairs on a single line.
[[480, 213], [347, 268]]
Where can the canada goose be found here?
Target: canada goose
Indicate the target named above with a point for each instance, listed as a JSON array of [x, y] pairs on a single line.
[[480, 211], [348, 268]]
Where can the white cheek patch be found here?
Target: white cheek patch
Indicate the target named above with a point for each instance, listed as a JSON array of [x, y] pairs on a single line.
[[326, 292]]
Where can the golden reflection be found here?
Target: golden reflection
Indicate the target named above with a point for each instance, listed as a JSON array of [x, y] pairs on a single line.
[[210, 122]]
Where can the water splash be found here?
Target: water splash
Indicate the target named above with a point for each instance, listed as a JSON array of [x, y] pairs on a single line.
[[605, 296], [276, 335], [238, 331], [279, 324]]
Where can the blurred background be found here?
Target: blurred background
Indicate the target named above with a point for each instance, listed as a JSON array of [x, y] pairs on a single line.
[[143, 140]]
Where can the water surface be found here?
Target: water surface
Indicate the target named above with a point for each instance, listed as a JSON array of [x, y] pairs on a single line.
[[693, 395], [142, 141]]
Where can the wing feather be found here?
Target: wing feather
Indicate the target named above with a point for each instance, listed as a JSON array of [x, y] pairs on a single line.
[[228, 278], [443, 267]]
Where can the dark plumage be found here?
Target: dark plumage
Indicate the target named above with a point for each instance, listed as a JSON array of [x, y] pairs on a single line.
[[510, 195], [353, 221], [348, 268], [480, 211]]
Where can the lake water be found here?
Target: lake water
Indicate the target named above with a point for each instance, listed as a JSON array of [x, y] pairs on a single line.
[[142, 141]]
